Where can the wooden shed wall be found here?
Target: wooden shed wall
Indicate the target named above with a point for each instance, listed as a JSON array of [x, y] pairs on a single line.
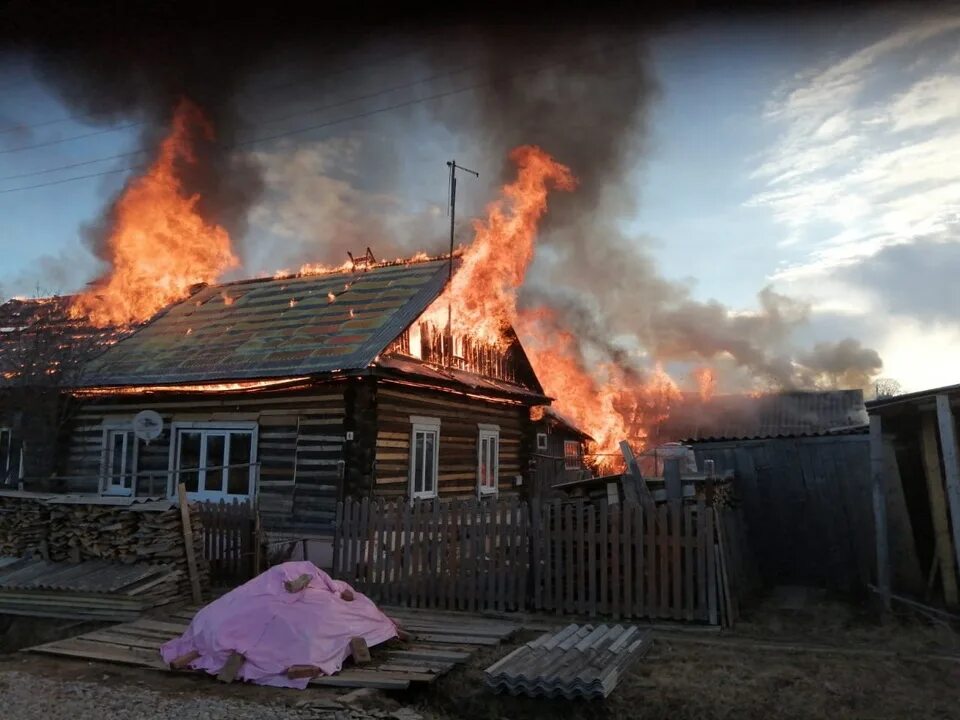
[[808, 504], [459, 416], [300, 447]]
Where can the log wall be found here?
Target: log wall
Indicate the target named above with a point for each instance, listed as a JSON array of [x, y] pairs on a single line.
[[459, 416], [299, 446]]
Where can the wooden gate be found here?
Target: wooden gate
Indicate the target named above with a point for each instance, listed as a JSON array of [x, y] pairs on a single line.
[[228, 540]]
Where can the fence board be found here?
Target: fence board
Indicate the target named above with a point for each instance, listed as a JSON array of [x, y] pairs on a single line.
[[506, 555], [227, 540]]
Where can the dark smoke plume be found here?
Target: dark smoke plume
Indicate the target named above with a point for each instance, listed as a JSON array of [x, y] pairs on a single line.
[[578, 89]]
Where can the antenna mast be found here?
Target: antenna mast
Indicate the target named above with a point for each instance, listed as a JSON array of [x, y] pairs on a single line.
[[452, 164]]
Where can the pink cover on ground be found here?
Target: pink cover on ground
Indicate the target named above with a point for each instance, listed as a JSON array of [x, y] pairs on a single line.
[[274, 629]]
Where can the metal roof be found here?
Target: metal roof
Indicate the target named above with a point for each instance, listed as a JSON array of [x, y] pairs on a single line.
[[38, 336], [920, 396], [860, 429], [274, 327], [788, 414]]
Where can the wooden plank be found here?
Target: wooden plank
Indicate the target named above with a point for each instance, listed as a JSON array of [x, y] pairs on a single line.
[[444, 639], [536, 557], [364, 679], [592, 559], [689, 539], [951, 465], [653, 565], [615, 589], [545, 558], [711, 568], [363, 573], [701, 570], [604, 604], [639, 568], [880, 510], [663, 550], [627, 553], [568, 550], [397, 507], [88, 650], [675, 566], [188, 544], [499, 539]]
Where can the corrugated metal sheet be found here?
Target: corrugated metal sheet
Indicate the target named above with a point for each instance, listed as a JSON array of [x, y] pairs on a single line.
[[274, 327], [579, 661], [792, 414], [95, 576]]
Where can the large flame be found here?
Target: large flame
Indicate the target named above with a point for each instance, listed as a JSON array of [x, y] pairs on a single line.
[[608, 401], [484, 290], [159, 246]]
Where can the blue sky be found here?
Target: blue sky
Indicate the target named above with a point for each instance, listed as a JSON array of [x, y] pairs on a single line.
[[814, 157]]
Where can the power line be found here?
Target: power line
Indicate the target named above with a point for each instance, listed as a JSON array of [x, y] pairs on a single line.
[[310, 111], [268, 89], [310, 128], [60, 141]]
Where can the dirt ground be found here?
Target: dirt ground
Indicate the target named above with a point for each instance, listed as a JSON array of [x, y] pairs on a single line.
[[825, 661]]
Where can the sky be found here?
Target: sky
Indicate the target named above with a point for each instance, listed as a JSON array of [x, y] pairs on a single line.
[[819, 158]]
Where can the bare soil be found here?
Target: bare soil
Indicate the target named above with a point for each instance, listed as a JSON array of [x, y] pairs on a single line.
[[826, 661]]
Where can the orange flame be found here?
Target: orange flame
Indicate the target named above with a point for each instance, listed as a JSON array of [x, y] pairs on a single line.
[[706, 382], [484, 289], [159, 245]]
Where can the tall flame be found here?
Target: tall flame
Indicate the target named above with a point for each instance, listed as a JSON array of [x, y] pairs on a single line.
[[484, 290], [159, 246], [610, 402]]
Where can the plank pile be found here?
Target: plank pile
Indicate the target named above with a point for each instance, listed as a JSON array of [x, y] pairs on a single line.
[[578, 661], [89, 590], [433, 644], [135, 533]]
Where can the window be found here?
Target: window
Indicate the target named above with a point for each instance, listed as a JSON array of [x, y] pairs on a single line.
[[119, 461], [488, 459], [424, 456], [571, 454], [6, 454], [216, 461], [542, 441]]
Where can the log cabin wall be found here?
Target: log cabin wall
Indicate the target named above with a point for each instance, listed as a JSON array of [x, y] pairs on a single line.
[[459, 416], [300, 447]]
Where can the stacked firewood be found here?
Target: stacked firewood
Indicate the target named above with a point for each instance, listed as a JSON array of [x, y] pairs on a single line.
[[23, 525], [125, 534]]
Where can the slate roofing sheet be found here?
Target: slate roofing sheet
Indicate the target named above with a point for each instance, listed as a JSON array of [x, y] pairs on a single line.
[[274, 327], [98, 576]]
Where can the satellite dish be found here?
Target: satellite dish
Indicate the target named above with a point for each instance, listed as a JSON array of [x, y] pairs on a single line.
[[147, 425]]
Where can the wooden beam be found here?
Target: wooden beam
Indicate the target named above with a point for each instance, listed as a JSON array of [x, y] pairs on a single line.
[[188, 543], [880, 510], [951, 465], [231, 667], [938, 506], [636, 490]]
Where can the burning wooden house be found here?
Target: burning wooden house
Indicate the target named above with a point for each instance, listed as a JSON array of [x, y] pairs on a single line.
[[303, 390], [41, 349]]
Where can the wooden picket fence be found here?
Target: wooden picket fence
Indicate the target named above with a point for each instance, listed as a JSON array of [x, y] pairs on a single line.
[[455, 555], [567, 557], [228, 540]]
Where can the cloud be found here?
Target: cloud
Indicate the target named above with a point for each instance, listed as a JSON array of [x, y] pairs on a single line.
[[869, 152]]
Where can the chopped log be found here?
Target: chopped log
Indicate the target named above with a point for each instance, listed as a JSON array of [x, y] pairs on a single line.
[[346, 595], [298, 584], [298, 672], [231, 667], [184, 660], [359, 650]]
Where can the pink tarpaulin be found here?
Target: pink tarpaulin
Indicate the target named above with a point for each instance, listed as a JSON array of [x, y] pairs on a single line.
[[275, 629]]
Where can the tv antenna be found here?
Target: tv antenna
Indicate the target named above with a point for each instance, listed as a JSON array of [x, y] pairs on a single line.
[[452, 164]]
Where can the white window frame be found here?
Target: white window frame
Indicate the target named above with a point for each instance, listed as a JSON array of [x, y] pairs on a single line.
[[488, 433], [542, 443], [420, 424], [5, 462], [578, 463], [205, 429], [107, 486]]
